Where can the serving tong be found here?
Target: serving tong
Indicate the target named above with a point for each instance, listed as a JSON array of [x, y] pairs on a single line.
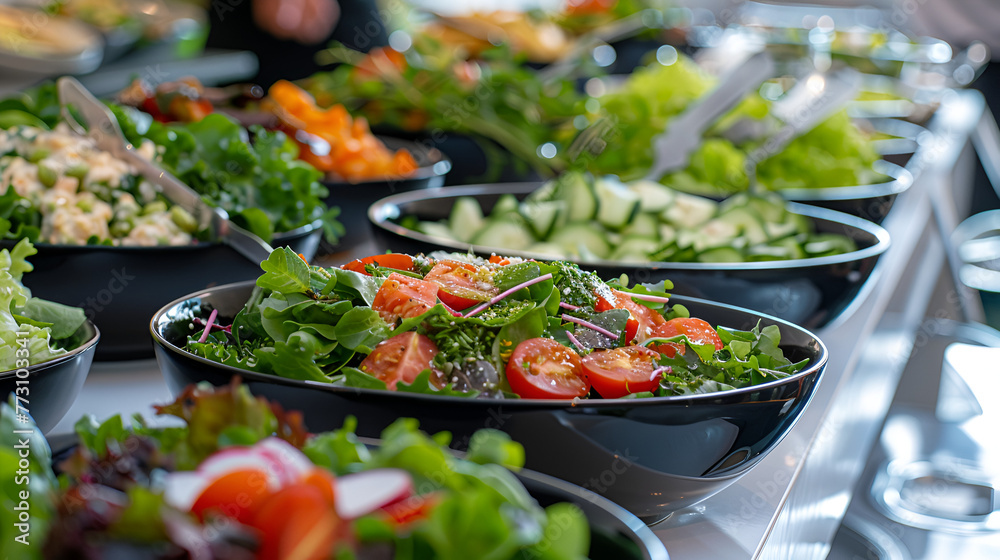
[[102, 126], [672, 148]]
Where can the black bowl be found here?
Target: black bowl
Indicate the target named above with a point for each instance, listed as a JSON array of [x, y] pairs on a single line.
[[808, 292], [665, 452], [615, 534], [355, 198], [121, 287], [54, 385]]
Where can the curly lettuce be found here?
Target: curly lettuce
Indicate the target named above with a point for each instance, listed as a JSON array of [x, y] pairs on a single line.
[[31, 329]]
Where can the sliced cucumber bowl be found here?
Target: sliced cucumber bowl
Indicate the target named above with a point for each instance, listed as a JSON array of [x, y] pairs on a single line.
[[809, 285]]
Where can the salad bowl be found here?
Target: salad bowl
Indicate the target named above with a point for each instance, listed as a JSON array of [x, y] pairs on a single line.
[[56, 382], [809, 292], [120, 287], [650, 455], [355, 198]]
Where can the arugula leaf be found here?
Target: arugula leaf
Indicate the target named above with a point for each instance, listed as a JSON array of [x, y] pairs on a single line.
[[361, 329], [284, 272], [295, 359], [494, 446], [354, 377]]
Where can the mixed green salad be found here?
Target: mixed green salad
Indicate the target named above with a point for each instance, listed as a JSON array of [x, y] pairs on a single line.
[[579, 217], [253, 174], [458, 325], [241, 478], [32, 330]]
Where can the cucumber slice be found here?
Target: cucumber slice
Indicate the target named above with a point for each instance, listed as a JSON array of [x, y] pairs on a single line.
[[505, 234], [616, 204], [747, 223], [782, 249], [466, 219], [437, 229], [550, 250], [580, 239], [780, 230], [824, 244], [768, 208], [667, 234], [689, 211], [644, 225], [507, 204], [543, 217], [653, 197], [633, 247], [544, 193], [577, 190], [720, 255]]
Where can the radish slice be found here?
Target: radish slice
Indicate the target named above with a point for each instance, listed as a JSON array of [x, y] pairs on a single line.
[[362, 493], [277, 460]]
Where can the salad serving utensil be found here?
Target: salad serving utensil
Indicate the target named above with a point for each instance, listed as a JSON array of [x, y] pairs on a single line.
[[102, 126], [808, 103], [672, 148]]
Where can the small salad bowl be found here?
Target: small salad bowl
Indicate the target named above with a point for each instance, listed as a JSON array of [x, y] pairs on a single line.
[[50, 388], [650, 455]]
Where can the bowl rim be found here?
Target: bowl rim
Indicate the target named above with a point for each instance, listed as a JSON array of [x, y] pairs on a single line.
[[301, 231], [901, 179], [438, 164], [816, 367], [381, 211], [89, 344]]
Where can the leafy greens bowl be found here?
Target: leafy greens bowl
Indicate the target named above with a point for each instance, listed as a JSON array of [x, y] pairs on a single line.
[[119, 288], [668, 452], [55, 382]]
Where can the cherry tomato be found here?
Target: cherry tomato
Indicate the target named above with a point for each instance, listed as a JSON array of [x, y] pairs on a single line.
[[541, 368], [462, 284], [697, 331], [622, 371], [401, 358], [297, 522], [236, 495], [641, 321], [403, 296], [399, 261]]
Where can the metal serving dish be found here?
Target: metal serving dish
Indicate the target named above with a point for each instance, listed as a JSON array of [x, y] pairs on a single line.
[[121, 287], [355, 198], [665, 452], [807, 292], [55, 383]]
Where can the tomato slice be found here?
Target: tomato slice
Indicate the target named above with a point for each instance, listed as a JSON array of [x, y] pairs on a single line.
[[399, 261], [402, 358], [642, 319], [462, 284], [541, 368], [697, 331], [403, 296], [622, 371], [236, 495], [297, 522]]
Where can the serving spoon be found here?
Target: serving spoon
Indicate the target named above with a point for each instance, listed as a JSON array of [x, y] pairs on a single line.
[[102, 126]]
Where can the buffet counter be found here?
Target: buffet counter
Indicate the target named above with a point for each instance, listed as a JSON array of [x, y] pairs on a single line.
[[792, 503]]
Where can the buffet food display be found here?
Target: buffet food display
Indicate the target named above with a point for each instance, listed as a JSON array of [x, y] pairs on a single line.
[[588, 313]]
